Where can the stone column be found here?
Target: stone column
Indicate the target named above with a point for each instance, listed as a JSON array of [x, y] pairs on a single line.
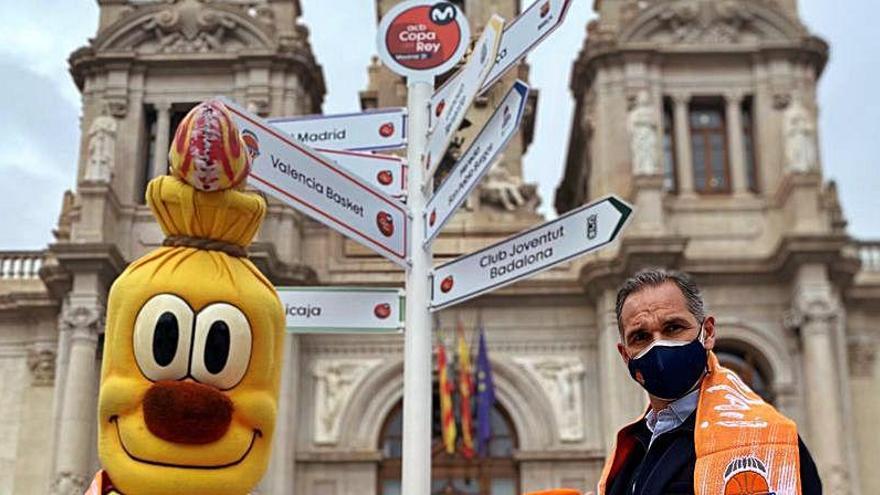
[[622, 398], [684, 167], [279, 477], [71, 476], [739, 175], [163, 124], [816, 313]]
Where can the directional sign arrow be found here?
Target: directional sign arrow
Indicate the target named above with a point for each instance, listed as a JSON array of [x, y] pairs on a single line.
[[304, 179], [342, 309], [372, 130], [573, 234], [450, 112], [385, 172], [474, 163], [519, 37]]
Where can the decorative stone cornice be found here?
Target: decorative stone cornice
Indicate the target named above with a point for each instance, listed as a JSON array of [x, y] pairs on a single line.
[[636, 252], [208, 31], [511, 347], [104, 259], [682, 27]]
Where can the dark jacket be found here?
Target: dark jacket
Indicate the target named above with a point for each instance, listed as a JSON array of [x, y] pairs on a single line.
[[668, 467]]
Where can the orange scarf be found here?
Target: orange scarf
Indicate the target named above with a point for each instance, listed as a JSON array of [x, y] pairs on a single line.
[[743, 445]]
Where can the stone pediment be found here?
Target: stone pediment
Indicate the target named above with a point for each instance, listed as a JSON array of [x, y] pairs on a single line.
[[710, 22], [186, 27]]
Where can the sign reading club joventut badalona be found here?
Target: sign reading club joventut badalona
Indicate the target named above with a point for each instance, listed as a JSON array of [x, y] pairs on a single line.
[[699, 113]]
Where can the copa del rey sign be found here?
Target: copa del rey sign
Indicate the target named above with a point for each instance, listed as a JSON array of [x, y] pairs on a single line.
[[421, 39]]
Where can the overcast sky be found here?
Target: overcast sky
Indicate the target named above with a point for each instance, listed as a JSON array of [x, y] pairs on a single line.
[[40, 106]]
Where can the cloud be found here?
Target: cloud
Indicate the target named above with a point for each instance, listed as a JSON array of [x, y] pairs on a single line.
[[41, 43], [38, 153]]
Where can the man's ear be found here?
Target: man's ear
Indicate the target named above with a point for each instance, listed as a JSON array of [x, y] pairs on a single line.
[[622, 351], [709, 330]]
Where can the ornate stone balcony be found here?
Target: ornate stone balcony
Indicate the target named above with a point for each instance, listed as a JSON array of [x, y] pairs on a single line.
[[19, 265], [869, 254]]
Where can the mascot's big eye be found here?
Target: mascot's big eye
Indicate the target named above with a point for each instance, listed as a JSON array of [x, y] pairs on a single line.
[[162, 333], [222, 346]]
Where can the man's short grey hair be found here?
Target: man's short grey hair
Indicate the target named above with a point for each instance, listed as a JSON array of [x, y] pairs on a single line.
[[653, 277]]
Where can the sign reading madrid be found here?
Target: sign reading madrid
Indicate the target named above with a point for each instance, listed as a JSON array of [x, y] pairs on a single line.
[[366, 131], [422, 38], [304, 179], [342, 309], [577, 232]]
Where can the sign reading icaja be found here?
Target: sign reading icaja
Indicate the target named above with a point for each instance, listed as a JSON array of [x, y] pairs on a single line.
[[423, 38]]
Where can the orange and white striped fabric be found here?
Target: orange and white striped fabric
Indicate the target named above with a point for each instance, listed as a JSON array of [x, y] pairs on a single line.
[[743, 445]]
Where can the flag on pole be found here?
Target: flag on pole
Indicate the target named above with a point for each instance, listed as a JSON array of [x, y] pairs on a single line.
[[485, 397], [447, 417], [466, 389]]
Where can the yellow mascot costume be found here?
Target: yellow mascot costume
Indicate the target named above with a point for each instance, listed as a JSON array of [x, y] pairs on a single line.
[[192, 351]]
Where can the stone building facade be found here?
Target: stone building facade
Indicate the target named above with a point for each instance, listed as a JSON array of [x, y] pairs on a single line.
[[700, 113]]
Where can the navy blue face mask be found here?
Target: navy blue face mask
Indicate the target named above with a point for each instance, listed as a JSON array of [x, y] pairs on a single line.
[[670, 369]]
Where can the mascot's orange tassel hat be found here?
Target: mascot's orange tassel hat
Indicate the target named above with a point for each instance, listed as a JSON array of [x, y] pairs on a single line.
[[192, 353]]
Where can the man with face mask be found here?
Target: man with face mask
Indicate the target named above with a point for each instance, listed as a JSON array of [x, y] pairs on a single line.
[[705, 432]]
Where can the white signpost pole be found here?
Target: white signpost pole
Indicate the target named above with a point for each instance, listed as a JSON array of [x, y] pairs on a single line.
[[416, 468], [419, 39]]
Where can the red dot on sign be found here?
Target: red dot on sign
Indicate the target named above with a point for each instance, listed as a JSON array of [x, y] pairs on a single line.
[[385, 223], [446, 284], [385, 177], [382, 311], [386, 130]]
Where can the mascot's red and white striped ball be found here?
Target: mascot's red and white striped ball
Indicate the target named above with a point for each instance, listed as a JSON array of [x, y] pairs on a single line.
[[208, 152]]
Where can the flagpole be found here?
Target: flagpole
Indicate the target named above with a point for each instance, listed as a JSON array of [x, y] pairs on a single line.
[[416, 464]]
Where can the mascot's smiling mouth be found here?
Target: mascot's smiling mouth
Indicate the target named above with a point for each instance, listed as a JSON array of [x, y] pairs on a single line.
[[256, 434]]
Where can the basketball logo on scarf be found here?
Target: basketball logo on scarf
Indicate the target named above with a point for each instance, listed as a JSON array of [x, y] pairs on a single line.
[[746, 476]]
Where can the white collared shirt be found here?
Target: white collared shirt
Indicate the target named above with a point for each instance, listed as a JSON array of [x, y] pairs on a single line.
[[673, 416]]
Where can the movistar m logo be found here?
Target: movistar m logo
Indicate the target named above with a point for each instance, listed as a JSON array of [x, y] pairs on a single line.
[[443, 13]]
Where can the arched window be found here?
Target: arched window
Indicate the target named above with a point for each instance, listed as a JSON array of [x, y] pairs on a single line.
[[496, 474], [749, 364]]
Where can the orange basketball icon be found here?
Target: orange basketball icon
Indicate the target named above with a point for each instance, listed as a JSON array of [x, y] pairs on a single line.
[[747, 483]]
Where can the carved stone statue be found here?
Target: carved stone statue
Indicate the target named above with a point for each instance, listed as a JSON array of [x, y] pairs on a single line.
[[41, 362], [643, 135], [504, 189], [101, 148], [335, 382], [561, 377], [799, 127]]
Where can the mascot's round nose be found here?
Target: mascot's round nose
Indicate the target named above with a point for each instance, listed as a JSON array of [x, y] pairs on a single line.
[[186, 412]]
